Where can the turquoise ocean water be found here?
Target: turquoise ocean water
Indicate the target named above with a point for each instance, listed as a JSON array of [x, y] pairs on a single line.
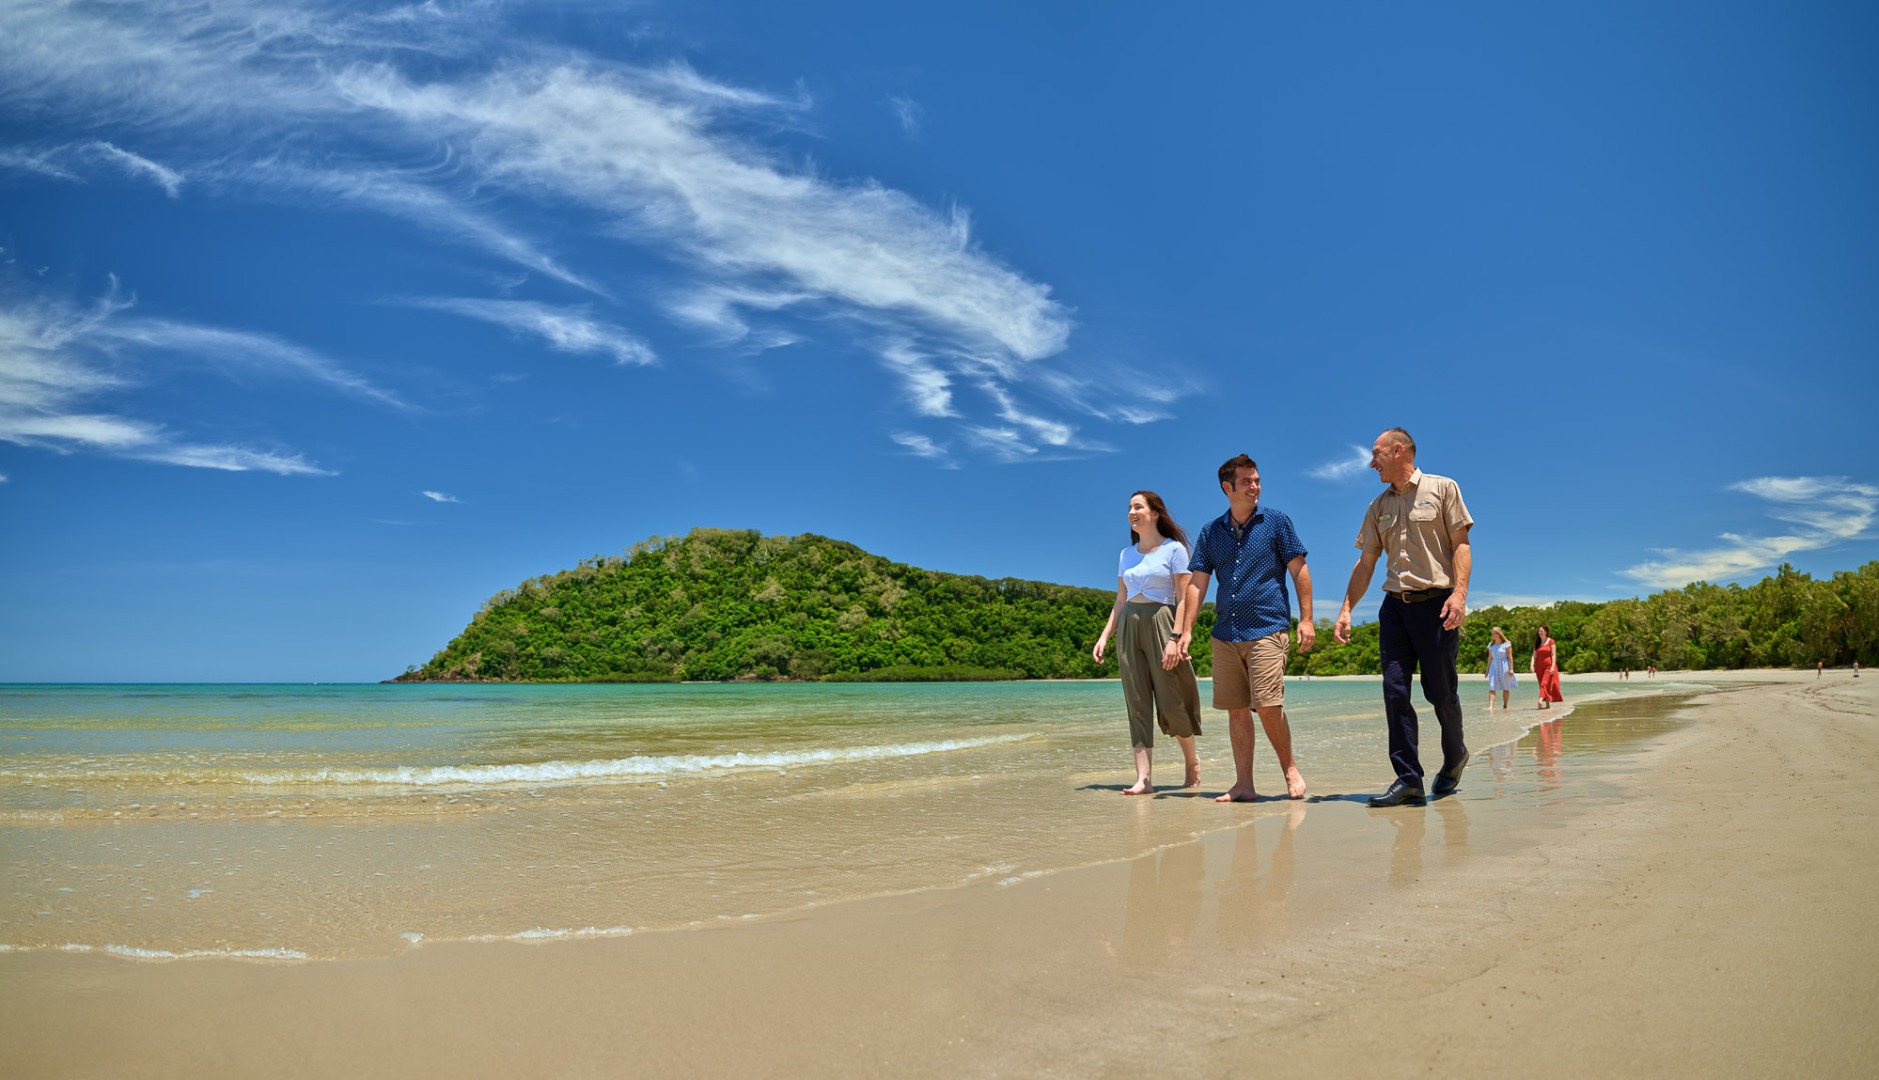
[[314, 821]]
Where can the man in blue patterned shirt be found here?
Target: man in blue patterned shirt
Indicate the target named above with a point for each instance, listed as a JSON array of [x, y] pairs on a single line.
[[1251, 548]]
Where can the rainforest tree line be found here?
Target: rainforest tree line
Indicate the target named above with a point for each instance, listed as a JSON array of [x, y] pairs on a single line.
[[722, 604]]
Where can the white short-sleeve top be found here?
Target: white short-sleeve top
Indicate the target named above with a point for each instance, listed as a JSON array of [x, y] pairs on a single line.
[[1151, 576]]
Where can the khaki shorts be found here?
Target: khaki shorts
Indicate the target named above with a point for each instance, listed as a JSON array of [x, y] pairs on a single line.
[[1250, 674]]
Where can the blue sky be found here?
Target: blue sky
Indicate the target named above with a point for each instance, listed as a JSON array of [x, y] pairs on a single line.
[[322, 322]]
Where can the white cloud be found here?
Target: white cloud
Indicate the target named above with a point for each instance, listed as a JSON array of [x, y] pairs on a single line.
[[565, 329], [673, 163], [1003, 444], [138, 166], [240, 348], [928, 386], [438, 496], [4, 478], [56, 360], [231, 459], [35, 162], [71, 161], [1344, 468], [1115, 392], [408, 197], [908, 112], [920, 445], [1044, 430], [650, 154], [1826, 509]]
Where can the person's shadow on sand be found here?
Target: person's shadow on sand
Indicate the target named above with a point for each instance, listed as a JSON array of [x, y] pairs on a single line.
[[1195, 793]]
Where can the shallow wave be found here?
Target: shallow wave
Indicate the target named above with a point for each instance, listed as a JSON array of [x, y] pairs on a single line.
[[133, 952], [638, 767]]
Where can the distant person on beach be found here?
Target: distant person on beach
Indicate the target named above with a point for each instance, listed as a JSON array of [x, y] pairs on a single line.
[[1251, 548], [1546, 668], [1421, 521], [1158, 683], [1651, 672], [1856, 669], [1500, 668], [1820, 668]]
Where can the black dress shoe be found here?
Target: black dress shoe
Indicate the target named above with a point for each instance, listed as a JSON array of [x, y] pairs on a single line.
[[1402, 791], [1449, 778]]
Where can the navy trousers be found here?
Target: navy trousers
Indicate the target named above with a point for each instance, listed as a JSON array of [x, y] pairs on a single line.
[[1411, 635]]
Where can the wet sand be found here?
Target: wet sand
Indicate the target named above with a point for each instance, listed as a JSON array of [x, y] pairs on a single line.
[[1628, 892]]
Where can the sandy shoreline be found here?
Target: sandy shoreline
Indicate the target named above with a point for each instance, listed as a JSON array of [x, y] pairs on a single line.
[[1623, 895]]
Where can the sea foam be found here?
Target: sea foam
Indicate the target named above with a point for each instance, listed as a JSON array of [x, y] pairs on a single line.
[[645, 766]]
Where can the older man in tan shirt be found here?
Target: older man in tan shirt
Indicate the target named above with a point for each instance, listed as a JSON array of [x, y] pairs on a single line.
[[1422, 524]]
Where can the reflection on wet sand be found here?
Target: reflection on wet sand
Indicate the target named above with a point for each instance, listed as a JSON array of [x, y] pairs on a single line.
[[1406, 846], [1252, 905], [1454, 829], [1501, 762], [1411, 825], [1169, 892], [1163, 905], [1176, 895], [1549, 746]]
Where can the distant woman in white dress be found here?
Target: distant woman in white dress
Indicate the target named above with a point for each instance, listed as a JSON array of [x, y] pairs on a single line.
[[1157, 677], [1500, 667]]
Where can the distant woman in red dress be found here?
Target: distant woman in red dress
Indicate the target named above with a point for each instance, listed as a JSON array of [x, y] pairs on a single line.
[[1546, 669]]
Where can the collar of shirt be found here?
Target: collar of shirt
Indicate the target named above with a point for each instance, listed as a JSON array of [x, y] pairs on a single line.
[[1238, 530], [1415, 477]]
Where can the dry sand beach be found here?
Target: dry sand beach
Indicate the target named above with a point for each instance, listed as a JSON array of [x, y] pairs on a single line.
[[1648, 888]]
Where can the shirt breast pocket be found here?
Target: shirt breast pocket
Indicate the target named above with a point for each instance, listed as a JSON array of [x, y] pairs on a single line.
[[1422, 513]]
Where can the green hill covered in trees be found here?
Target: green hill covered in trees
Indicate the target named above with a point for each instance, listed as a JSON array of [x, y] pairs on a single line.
[[719, 604]]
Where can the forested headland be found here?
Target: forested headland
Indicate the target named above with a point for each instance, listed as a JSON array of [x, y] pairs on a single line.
[[734, 604]]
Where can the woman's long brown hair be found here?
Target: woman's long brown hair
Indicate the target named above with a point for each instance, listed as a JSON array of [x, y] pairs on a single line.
[[1162, 520]]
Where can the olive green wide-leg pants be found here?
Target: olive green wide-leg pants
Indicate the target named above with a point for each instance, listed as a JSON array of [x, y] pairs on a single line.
[[1150, 690]]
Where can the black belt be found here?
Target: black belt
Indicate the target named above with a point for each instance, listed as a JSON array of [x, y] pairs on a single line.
[[1420, 595]]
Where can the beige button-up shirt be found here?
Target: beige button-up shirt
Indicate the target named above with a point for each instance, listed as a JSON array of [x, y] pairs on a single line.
[[1413, 529]]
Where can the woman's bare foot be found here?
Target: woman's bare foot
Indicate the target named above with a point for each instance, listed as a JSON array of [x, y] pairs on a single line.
[[1294, 783], [1193, 777], [1236, 793], [1142, 787]]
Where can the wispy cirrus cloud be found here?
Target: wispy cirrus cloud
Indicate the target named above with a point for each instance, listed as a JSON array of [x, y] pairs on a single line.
[[1116, 392], [451, 117], [656, 155], [921, 446], [222, 347], [1823, 510], [439, 497], [414, 196], [1344, 468], [61, 363], [565, 329], [928, 385], [77, 161], [908, 112]]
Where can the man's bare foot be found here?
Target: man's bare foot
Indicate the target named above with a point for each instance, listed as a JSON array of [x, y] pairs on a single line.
[[1294, 783], [1193, 777], [1236, 793], [1142, 787]]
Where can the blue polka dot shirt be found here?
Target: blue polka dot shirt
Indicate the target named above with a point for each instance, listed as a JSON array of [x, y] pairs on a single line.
[[1252, 601]]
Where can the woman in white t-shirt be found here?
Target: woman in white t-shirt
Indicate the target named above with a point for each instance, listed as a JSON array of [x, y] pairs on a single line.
[[1157, 677]]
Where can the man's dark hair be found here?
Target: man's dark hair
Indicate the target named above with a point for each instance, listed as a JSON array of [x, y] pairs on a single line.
[[1234, 465], [1403, 437]]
